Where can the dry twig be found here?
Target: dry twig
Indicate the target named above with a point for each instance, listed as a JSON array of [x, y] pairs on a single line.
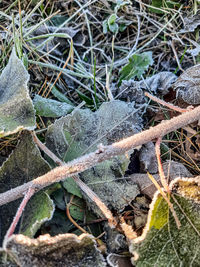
[[102, 153]]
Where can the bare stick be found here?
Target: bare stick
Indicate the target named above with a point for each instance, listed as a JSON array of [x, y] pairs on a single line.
[[101, 154], [169, 105], [71, 219], [46, 150], [104, 209], [164, 182], [160, 168]]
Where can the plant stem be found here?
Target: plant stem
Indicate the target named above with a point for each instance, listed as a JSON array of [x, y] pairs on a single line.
[[12, 227]]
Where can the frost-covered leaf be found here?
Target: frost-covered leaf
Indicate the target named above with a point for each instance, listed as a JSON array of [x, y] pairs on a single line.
[[136, 67], [134, 90], [187, 86], [16, 108], [80, 132], [61, 97], [162, 243], [23, 165], [147, 157], [58, 20], [194, 52], [191, 22], [112, 25], [38, 210], [118, 260], [62, 250], [51, 108], [46, 38]]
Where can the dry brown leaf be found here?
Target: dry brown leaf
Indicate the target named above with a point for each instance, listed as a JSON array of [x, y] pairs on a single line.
[[187, 86]]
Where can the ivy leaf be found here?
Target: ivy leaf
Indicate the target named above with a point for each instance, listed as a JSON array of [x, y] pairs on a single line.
[[162, 243], [16, 108], [136, 67]]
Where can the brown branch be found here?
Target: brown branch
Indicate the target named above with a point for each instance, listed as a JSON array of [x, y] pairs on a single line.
[[167, 104], [12, 227], [164, 182], [101, 154], [160, 167], [104, 209]]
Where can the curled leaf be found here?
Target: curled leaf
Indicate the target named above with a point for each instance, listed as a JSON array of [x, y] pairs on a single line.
[[62, 250]]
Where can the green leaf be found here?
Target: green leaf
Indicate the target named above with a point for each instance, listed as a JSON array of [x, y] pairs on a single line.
[[112, 19], [79, 212], [71, 186], [37, 211], [61, 97], [85, 98], [136, 67], [24, 165], [58, 20], [16, 108], [163, 4], [112, 25], [77, 209], [158, 4], [162, 243], [58, 197], [122, 27], [105, 26], [51, 108]]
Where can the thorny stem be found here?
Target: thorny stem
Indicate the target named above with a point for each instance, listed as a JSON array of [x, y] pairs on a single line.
[[102, 153]]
